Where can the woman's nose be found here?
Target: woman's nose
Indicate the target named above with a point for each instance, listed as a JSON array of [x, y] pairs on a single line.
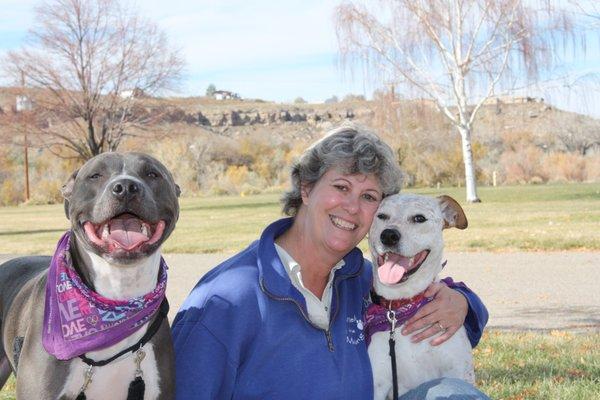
[[352, 204]]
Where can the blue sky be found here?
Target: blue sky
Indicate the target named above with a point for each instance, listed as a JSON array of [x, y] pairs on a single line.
[[274, 50]]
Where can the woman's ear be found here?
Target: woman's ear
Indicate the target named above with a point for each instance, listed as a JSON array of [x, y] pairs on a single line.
[[305, 191]]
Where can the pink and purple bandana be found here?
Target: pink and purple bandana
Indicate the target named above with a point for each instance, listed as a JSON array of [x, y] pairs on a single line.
[[78, 320], [376, 316]]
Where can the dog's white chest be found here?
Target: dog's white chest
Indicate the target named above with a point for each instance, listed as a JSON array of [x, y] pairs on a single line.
[[112, 381], [418, 363]]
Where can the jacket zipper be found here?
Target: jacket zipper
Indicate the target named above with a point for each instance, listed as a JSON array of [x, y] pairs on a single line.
[[305, 315]]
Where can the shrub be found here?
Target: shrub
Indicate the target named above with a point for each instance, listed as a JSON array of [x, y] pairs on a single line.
[[565, 167], [10, 193], [47, 191], [592, 167], [237, 175], [353, 97], [523, 166]]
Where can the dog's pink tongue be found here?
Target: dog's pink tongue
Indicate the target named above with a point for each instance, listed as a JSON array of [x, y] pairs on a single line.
[[392, 270], [127, 233]]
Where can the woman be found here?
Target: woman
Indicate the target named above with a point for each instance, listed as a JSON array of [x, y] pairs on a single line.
[[282, 319]]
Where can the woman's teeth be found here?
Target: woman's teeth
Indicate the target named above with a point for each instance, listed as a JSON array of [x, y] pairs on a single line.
[[340, 223]]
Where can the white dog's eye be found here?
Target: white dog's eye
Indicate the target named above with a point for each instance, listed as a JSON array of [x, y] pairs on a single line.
[[419, 219], [383, 217]]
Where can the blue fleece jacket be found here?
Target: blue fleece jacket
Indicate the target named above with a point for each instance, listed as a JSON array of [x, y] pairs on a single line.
[[244, 332]]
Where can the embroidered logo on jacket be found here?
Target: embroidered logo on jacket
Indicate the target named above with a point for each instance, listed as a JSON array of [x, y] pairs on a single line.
[[355, 333]]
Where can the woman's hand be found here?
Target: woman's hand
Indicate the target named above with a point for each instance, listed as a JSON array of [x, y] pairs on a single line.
[[446, 312]]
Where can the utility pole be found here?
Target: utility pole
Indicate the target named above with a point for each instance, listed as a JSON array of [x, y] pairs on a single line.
[[23, 105]]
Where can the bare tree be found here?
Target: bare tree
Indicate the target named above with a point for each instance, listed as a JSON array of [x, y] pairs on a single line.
[[588, 9], [89, 59], [456, 52], [579, 134]]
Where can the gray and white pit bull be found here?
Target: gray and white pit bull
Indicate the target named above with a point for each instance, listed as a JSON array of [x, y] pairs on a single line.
[[406, 245], [122, 207]]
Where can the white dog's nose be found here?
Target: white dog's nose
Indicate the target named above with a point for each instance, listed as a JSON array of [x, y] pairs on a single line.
[[390, 237]]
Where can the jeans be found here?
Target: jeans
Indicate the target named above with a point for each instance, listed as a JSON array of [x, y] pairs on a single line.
[[444, 389]]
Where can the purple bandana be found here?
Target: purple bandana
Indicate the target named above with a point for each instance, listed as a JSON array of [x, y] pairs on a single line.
[[78, 320], [376, 317]]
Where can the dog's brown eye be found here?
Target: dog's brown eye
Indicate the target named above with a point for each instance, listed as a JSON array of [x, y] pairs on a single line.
[[383, 217], [94, 176], [152, 175], [419, 219]]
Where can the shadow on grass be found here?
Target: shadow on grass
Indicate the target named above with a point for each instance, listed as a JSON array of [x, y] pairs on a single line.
[[572, 318], [31, 232]]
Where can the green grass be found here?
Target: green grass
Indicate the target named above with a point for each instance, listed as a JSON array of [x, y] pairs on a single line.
[[519, 366], [510, 218], [513, 366], [558, 365], [8, 391]]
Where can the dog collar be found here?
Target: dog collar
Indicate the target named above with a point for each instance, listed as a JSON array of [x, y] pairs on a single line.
[[78, 320], [398, 303], [376, 316]]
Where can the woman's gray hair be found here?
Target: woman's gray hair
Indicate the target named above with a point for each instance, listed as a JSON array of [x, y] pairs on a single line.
[[351, 150]]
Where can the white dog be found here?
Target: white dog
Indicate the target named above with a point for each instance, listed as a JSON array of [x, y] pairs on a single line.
[[406, 246]]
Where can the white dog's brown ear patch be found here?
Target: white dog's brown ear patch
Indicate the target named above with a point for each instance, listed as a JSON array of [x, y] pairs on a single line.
[[454, 216]]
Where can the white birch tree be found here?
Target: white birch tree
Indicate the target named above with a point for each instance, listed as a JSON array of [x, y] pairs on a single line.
[[456, 52]]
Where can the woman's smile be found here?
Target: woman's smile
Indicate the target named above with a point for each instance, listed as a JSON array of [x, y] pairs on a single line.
[[342, 224]]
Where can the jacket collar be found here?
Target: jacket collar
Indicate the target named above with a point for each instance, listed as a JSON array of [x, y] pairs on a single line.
[[272, 273]]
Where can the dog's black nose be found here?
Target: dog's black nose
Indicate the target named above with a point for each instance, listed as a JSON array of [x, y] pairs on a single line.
[[390, 237], [125, 188]]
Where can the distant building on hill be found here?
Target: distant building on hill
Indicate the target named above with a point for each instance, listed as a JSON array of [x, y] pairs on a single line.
[[133, 93], [226, 95]]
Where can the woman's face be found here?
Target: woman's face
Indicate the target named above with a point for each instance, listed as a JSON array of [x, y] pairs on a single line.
[[339, 209]]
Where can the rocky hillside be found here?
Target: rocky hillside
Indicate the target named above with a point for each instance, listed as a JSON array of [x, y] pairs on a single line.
[[547, 126]]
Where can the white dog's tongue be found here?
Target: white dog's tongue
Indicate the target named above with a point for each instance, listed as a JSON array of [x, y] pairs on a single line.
[[392, 270], [127, 232]]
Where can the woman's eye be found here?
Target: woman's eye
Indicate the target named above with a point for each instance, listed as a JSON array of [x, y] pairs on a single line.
[[341, 188], [419, 219], [369, 197], [383, 217]]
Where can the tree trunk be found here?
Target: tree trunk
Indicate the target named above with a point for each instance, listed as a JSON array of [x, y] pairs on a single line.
[[91, 139], [470, 177]]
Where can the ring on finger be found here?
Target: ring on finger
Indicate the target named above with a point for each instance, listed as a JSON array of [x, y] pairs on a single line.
[[442, 329]]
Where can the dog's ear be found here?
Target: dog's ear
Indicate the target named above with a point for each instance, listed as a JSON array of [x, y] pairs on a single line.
[[67, 190], [454, 216]]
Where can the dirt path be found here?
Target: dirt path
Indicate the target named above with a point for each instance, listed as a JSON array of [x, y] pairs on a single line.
[[523, 291]]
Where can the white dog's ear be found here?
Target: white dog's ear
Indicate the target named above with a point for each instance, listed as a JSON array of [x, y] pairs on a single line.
[[454, 216]]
